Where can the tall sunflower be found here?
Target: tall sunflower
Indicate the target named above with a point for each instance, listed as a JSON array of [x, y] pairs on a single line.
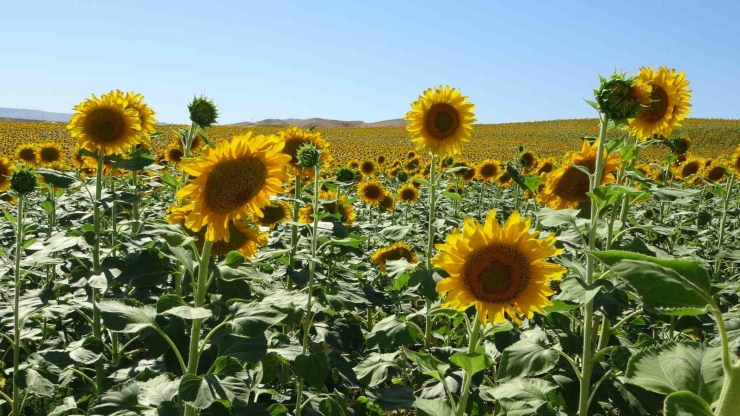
[[735, 161], [295, 137], [340, 206], [408, 194], [233, 180], [716, 172], [489, 169], [6, 170], [691, 166], [499, 270], [274, 213], [669, 103], [107, 124], [397, 251], [367, 167], [49, 153], [527, 159], [146, 114], [388, 202], [568, 186], [245, 240], [28, 154], [371, 192], [174, 154], [440, 121]]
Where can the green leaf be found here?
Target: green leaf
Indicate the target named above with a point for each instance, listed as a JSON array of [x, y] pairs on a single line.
[[674, 367], [189, 312], [135, 163], [685, 403], [527, 357], [395, 232], [533, 391], [158, 390], [123, 402], [554, 218], [145, 269], [68, 403], [670, 287], [201, 392], [532, 182], [122, 318], [433, 407], [58, 179], [391, 333], [248, 349], [428, 364], [573, 289], [392, 398], [31, 380], [472, 363], [313, 368], [173, 234], [169, 301], [90, 351], [374, 369], [452, 195], [252, 318]]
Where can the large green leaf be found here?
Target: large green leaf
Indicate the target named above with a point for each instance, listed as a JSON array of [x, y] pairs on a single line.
[[685, 403], [252, 318], [553, 218], [128, 319], [123, 402], [433, 407], [313, 368], [189, 312], [56, 178], [201, 392], [31, 380], [527, 357], [428, 364], [678, 366], [392, 333], [533, 391], [374, 369], [472, 363], [248, 349], [145, 269], [670, 287], [157, 390], [393, 397], [89, 351]]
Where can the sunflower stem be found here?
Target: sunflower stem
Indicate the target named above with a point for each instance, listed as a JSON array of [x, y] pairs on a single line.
[[186, 151], [201, 287], [722, 220], [97, 217], [16, 302], [430, 246], [135, 213], [588, 313], [311, 275], [472, 347]]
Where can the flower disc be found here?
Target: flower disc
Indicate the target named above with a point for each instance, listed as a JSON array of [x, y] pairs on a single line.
[[669, 103], [107, 124]]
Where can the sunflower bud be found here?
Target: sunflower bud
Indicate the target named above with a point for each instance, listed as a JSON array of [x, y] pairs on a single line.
[[308, 156], [23, 181], [620, 98], [346, 175], [516, 176], [680, 145], [203, 111], [402, 176]]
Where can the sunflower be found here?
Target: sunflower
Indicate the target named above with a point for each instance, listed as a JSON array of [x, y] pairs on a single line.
[[245, 240], [455, 189], [6, 170], [691, 166], [411, 154], [440, 121], [146, 114], [504, 180], [547, 166], [499, 270], [107, 124], [669, 103], [367, 167], [335, 206], [295, 137], [412, 165], [397, 251], [488, 170], [381, 159], [408, 194], [233, 180], [305, 214], [527, 160], [371, 192], [468, 174], [568, 186], [274, 213], [49, 153], [735, 162], [715, 173], [28, 154], [174, 154], [388, 202]]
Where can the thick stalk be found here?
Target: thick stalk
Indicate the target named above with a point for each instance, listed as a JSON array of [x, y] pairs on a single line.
[[135, 180], [430, 245], [186, 151], [722, 221], [472, 347], [729, 398], [97, 218], [201, 287], [588, 313], [293, 227], [16, 304], [113, 216], [311, 273]]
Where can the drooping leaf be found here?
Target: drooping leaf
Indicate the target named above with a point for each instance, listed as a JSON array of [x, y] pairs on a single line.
[[391, 333], [686, 403], [128, 319], [527, 357], [373, 370]]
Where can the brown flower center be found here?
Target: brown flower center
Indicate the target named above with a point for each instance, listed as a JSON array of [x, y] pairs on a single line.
[[408, 195], [367, 168], [442, 121], [496, 273], [658, 106], [50, 154], [233, 183], [689, 168], [574, 184], [489, 170], [372, 192], [28, 154], [106, 126]]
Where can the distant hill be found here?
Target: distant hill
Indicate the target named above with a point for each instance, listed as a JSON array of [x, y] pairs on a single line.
[[35, 115], [321, 123]]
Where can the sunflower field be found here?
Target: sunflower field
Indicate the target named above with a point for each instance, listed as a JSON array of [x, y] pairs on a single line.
[[569, 267]]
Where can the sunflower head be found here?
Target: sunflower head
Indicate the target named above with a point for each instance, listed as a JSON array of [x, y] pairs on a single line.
[[440, 121], [527, 160], [245, 240], [500, 270], [203, 111], [49, 153], [388, 202], [174, 154], [339, 206], [308, 156], [371, 192], [23, 181], [690, 167], [367, 167], [408, 194], [346, 175], [381, 159], [294, 138], [669, 103], [546, 166], [232, 181], [716, 172], [489, 169], [504, 180], [735, 161], [413, 165], [6, 171], [274, 213], [28, 154], [105, 125], [397, 251], [146, 114], [681, 144]]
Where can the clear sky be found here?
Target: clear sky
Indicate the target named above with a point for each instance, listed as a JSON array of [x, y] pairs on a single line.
[[352, 60]]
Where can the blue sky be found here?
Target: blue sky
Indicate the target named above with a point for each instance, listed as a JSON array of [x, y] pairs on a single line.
[[351, 60]]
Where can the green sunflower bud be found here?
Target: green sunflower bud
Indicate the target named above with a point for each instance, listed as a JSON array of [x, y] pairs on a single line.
[[308, 156], [346, 175], [617, 98], [23, 181], [203, 111], [402, 176]]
